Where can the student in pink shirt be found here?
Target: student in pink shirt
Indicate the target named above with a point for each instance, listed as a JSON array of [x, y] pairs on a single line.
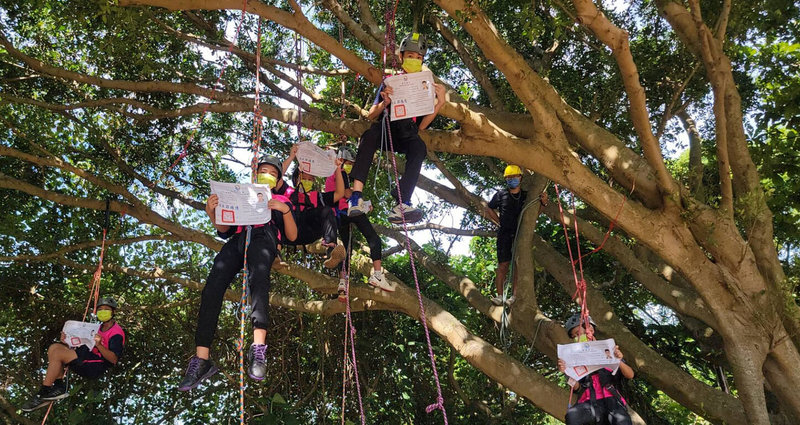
[[600, 401]]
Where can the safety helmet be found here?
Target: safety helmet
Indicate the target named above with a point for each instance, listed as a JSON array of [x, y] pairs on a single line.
[[345, 154], [415, 42], [273, 161], [512, 170], [575, 320], [107, 301]]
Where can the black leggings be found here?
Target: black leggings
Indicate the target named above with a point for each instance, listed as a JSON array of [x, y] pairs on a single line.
[[608, 411], [313, 224], [230, 259], [366, 229], [405, 140]]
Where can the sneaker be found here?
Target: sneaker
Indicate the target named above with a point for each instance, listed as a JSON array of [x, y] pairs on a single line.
[[360, 207], [497, 301], [198, 371], [342, 289], [257, 358], [511, 300], [55, 392], [378, 280], [35, 402], [335, 257], [407, 212]]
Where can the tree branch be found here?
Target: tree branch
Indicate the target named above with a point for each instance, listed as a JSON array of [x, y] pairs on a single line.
[[617, 39]]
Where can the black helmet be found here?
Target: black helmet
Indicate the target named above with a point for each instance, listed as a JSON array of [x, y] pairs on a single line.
[[273, 161], [345, 154], [107, 301], [415, 42], [575, 320]]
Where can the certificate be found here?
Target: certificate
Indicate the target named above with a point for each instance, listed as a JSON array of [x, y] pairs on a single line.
[[413, 94], [80, 333], [314, 160], [241, 204], [583, 358]]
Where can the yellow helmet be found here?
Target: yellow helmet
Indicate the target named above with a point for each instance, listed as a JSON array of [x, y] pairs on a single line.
[[512, 170]]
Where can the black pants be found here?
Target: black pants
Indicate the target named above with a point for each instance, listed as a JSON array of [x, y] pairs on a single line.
[[405, 140], [366, 229], [228, 262], [313, 224], [607, 411]]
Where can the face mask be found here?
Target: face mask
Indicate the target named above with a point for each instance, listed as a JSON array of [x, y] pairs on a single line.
[[307, 185], [513, 183], [581, 338], [347, 168], [267, 179], [104, 315], [412, 65]]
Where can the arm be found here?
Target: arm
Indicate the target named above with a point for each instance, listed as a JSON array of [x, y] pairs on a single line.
[[289, 159], [289, 226], [377, 108], [105, 352], [339, 192], [428, 119], [211, 205], [626, 370], [494, 203]]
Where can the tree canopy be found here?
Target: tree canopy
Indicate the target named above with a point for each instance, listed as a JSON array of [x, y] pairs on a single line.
[[671, 125]]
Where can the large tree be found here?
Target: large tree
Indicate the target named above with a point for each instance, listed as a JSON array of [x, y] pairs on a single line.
[[99, 99]]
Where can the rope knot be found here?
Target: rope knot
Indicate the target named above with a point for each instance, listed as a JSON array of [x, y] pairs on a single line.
[[439, 405]]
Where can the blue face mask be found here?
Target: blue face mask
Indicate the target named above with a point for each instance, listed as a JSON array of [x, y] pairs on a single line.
[[513, 182]]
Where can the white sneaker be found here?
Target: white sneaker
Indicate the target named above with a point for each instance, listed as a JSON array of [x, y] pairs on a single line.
[[497, 301], [511, 300], [360, 208], [378, 280], [401, 211], [342, 289]]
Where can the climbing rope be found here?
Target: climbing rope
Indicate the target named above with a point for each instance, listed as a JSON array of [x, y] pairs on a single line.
[[509, 281], [257, 134], [389, 45], [580, 283], [298, 73], [349, 327], [94, 290], [185, 150]]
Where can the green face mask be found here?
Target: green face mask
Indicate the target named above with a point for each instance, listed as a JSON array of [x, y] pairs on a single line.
[[307, 185], [104, 315], [581, 338], [412, 65], [267, 179], [347, 168]]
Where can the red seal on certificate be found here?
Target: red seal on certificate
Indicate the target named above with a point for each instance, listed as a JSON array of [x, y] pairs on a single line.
[[399, 111], [228, 216], [580, 370], [305, 166]]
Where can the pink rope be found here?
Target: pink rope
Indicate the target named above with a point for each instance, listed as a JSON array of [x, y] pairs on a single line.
[[389, 44], [352, 329], [580, 284]]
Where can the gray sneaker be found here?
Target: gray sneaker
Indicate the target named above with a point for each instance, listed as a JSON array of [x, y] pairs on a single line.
[[497, 301], [198, 371], [405, 212], [378, 280], [359, 208]]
